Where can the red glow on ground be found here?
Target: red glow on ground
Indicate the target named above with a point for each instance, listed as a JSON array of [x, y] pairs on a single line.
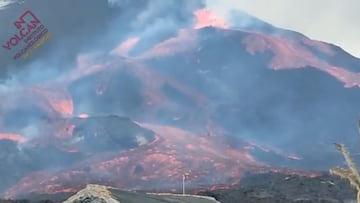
[[350, 79], [158, 164], [58, 100], [290, 53], [206, 18], [83, 115], [12, 137]]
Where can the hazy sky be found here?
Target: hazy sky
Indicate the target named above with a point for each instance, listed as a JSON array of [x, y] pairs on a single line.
[[334, 21]]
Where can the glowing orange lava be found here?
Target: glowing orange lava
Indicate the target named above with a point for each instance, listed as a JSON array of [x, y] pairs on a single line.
[[206, 17], [289, 53], [83, 115], [159, 164], [58, 100], [12, 137]]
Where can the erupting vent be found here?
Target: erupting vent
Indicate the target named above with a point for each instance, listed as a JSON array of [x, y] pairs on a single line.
[[183, 92]]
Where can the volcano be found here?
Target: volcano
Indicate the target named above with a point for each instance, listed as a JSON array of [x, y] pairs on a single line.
[[212, 101]]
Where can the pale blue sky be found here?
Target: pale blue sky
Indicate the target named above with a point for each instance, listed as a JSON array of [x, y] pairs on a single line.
[[334, 21]]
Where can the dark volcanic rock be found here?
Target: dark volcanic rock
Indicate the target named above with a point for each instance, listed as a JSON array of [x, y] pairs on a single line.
[[259, 188], [286, 108], [108, 93], [109, 133], [94, 135], [16, 161], [284, 188]]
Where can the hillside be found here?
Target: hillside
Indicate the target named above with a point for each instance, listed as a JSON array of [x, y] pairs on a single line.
[[141, 94]]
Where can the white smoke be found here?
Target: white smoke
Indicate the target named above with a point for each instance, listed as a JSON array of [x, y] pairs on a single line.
[[113, 3], [6, 3]]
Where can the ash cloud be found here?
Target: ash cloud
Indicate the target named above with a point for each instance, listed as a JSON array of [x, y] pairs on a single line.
[[151, 21], [83, 26], [251, 102], [70, 29], [91, 26], [78, 27]]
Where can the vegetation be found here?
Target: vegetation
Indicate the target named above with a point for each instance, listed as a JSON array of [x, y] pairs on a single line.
[[351, 173]]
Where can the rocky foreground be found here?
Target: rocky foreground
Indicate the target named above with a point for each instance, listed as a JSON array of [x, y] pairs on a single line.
[[103, 194], [269, 188]]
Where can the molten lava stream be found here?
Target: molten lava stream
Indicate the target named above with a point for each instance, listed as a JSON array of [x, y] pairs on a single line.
[[83, 115], [12, 137]]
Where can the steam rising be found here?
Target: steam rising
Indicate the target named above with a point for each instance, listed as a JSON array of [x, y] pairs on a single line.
[[94, 31], [207, 82], [5, 3]]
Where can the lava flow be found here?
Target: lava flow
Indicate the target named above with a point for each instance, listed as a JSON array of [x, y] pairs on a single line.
[[12, 137], [158, 165], [200, 95]]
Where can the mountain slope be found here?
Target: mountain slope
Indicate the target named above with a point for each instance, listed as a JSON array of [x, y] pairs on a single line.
[[276, 89], [221, 102]]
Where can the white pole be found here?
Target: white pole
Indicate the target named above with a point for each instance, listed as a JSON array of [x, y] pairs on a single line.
[[183, 183]]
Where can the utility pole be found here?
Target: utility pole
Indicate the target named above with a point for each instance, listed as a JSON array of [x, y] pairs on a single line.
[[183, 183]]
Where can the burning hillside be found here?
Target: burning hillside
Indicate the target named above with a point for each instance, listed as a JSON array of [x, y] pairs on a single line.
[[191, 94], [115, 151]]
